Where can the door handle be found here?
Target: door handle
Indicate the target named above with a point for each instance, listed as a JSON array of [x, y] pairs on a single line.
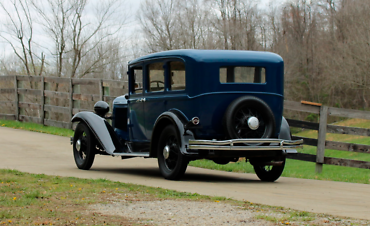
[[141, 100]]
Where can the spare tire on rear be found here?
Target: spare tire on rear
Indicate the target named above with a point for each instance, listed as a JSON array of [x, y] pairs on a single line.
[[249, 117]]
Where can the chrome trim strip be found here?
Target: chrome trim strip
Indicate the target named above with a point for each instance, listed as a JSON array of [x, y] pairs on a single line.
[[240, 141], [132, 154], [277, 144], [241, 148]]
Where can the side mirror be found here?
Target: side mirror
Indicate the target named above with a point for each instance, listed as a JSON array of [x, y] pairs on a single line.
[[101, 108]]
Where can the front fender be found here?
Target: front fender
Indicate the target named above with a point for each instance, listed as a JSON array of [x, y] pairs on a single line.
[[99, 127]]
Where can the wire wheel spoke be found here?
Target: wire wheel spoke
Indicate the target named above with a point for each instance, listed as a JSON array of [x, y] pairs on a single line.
[[241, 127]]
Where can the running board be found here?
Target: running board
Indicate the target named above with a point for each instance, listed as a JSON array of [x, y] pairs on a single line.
[[133, 154]]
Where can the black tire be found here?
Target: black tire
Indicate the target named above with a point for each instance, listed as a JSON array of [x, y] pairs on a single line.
[[238, 113], [174, 165], [84, 153], [269, 173]]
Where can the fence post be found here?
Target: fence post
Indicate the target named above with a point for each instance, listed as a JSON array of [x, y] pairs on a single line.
[[101, 91], [16, 100], [71, 100], [42, 113], [321, 138]]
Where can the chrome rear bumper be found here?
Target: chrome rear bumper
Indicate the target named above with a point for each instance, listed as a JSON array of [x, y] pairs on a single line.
[[252, 144]]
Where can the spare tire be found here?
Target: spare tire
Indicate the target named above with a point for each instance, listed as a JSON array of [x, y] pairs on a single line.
[[249, 117]]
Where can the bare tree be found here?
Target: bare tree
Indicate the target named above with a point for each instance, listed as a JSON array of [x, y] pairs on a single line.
[[191, 27], [225, 24], [236, 23], [350, 61], [158, 20], [55, 23], [325, 43], [18, 33], [78, 29]]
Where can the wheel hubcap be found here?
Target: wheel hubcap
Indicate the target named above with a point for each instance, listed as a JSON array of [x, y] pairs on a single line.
[[166, 152], [253, 123], [81, 147], [78, 145]]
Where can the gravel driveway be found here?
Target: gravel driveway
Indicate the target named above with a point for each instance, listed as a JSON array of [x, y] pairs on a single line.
[[176, 212]]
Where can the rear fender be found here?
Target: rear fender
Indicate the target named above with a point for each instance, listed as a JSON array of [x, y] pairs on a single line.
[[284, 130], [285, 134], [101, 129], [177, 119]]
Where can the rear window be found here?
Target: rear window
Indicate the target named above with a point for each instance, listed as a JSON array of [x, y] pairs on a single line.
[[177, 73], [234, 74]]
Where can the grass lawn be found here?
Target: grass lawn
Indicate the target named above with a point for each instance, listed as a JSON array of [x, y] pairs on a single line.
[[30, 199], [36, 128]]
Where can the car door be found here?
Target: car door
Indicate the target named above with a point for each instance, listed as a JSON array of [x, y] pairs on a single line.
[[177, 96], [136, 100], [155, 94]]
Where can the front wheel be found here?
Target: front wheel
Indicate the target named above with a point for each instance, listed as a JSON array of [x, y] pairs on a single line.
[[172, 163], [83, 147], [269, 173]]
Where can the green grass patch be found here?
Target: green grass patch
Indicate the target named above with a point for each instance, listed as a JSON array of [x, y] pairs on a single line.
[[30, 199], [36, 128], [239, 167]]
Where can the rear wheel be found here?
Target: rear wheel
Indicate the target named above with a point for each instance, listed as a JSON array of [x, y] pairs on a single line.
[[269, 173], [83, 147], [172, 163]]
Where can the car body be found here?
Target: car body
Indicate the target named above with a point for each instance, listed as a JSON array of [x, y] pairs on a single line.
[[185, 105]]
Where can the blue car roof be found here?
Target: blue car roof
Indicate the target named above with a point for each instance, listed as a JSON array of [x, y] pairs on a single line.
[[235, 56]]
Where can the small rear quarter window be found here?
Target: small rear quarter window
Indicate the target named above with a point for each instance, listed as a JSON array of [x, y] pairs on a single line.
[[236, 74]]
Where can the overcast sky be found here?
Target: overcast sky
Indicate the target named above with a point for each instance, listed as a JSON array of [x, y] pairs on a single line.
[[132, 6]]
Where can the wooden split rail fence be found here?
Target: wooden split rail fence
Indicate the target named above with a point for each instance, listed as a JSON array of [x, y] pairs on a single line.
[[323, 127], [74, 96], [44, 93]]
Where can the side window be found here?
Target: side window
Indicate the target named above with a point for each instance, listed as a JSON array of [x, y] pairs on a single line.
[[177, 74], [137, 80], [156, 77], [242, 74]]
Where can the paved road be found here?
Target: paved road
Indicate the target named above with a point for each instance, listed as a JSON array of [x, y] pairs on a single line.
[[48, 154]]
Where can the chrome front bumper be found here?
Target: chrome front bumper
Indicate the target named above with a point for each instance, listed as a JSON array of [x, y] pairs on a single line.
[[252, 144]]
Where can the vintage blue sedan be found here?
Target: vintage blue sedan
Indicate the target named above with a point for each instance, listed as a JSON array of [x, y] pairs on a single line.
[[185, 105]]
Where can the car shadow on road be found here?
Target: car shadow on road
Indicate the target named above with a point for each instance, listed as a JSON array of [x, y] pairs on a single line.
[[154, 173], [212, 178]]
